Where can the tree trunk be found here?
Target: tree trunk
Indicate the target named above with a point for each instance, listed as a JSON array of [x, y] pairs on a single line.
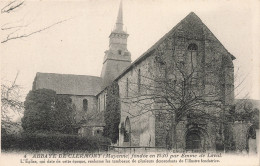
[[174, 136], [174, 132]]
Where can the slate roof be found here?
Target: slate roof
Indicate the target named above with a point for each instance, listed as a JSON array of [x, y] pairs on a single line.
[[69, 83]]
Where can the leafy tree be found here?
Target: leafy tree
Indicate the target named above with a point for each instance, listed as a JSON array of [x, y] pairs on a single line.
[[246, 111], [47, 111], [112, 113], [38, 106], [65, 114]]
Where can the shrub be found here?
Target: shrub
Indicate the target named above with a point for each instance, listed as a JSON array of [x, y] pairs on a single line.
[[53, 142], [47, 111]]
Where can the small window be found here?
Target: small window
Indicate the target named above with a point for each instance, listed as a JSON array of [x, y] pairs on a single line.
[[139, 80], [192, 58], [119, 52], [85, 105], [98, 104], [127, 87], [104, 101]]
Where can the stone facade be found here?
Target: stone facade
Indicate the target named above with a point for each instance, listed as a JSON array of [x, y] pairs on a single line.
[[78, 105], [216, 73], [189, 48]]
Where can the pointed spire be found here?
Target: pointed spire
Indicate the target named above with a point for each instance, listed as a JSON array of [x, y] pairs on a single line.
[[119, 21]]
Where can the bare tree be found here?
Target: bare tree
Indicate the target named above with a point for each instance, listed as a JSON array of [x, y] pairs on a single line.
[[11, 105], [180, 87]]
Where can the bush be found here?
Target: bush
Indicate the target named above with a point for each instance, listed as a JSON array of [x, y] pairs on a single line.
[[47, 111], [53, 142], [6, 141]]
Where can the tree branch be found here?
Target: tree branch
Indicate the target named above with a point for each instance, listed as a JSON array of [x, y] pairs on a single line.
[[8, 38], [11, 6]]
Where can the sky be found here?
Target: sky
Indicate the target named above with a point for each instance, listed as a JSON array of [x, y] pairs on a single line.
[[77, 45]]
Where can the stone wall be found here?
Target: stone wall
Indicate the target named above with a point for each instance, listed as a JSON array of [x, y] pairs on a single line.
[[101, 100], [214, 80], [86, 131], [141, 119], [206, 130], [78, 105], [240, 133]]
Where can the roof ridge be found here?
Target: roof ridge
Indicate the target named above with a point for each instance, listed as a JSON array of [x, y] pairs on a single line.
[[69, 74]]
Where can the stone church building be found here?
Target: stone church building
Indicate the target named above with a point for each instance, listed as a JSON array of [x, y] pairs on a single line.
[[188, 53]]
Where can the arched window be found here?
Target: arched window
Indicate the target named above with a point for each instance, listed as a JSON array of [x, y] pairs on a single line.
[[127, 133], [192, 57], [85, 105], [193, 47], [119, 52]]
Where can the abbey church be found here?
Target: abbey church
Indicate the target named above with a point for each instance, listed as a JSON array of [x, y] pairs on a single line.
[[174, 95]]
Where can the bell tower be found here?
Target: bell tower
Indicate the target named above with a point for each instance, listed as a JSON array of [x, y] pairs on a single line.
[[117, 57]]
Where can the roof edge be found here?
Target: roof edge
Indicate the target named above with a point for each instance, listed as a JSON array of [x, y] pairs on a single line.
[[38, 73], [150, 50]]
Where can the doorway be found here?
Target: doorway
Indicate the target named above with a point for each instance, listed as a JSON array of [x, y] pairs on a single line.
[[193, 141]]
